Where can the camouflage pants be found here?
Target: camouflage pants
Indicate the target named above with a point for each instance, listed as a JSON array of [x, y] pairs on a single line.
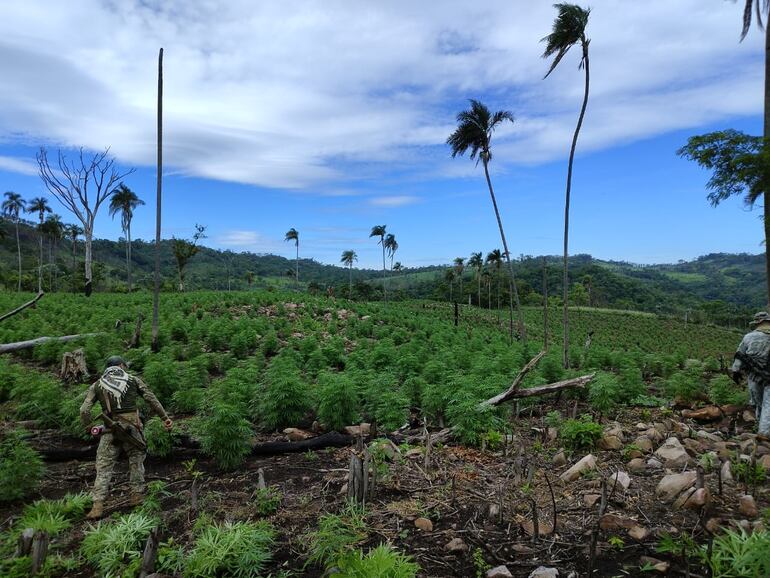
[[107, 456], [759, 397]]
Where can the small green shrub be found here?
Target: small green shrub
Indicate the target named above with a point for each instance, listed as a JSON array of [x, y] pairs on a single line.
[[20, 467], [470, 422], [267, 500], [739, 554], [744, 472], [239, 549], [382, 562], [162, 377], [54, 516], [604, 392], [115, 547], [225, 436], [686, 384], [723, 391], [336, 535], [285, 397], [337, 400], [159, 440], [580, 434]]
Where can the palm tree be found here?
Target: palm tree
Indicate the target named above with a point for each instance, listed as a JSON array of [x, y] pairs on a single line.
[[495, 258], [13, 205], [379, 231], [449, 275], [459, 264], [398, 267], [72, 232], [53, 228], [348, 258], [487, 277], [391, 245], [125, 201], [293, 235], [477, 263], [569, 29], [747, 11], [474, 132], [40, 206]]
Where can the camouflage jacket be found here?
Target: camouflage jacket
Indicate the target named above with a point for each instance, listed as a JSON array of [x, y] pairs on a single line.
[[117, 392], [753, 357]]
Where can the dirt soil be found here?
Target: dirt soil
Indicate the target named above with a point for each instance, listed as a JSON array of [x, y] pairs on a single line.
[[455, 492]]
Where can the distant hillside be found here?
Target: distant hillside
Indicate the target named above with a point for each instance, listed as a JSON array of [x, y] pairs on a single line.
[[720, 287]]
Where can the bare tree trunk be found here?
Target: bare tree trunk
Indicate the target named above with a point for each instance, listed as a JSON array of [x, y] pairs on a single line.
[[565, 281], [156, 288], [18, 250], [515, 291], [384, 272], [40, 261], [89, 234], [350, 287], [128, 256], [296, 266], [767, 136], [74, 267], [545, 304]]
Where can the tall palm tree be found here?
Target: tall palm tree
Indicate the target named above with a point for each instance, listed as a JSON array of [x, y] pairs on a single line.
[[13, 206], [487, 277], [40, 206], [53, 228], [125, 201], [348, 258], [293, 235], [477, 263], [569, 29], [495, 258], [379, 231], [449, 275], [158, 197], [474, 132], [459, 265], [391, 245], [749, 7], [72, 232]]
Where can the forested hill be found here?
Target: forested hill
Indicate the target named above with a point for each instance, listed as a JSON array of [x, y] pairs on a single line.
[[719, 284]]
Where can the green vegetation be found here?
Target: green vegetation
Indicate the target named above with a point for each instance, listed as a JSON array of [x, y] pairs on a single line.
[[115, 547], [20, 468], [239, 549], [580, 434]]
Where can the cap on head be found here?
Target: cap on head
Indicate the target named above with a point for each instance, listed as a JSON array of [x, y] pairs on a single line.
[[114, 361], [760, 317]]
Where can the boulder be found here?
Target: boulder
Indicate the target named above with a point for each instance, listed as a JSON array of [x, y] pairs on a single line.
[[424, 524], [674, 484], [710, 436], [673, 453], [297, 435], [559, 460], [639, 533], [713, 525], [543, 528], [644, 444], [616, 430], [704, 414], [589, 500], [747, 506], [613, 523], [637, 465], [456, 546], [610, 442], [584, 465], [654, 435], [693, 446], [654, 464], [692, 499], [727, 473], [748, 416], [620, 480], [499, 572], [357, 430], [544, 572], [764, 461]]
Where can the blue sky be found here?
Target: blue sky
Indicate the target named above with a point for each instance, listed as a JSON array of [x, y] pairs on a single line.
[[332, 117]]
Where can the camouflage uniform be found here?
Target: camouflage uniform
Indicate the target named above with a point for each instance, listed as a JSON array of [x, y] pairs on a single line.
[[752, 359], [117, 393]]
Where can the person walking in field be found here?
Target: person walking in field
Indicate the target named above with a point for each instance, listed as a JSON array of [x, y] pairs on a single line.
[[117, 392], [753, 360]]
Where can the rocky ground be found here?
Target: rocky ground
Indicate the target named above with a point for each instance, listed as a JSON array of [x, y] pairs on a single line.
[[523, 508]]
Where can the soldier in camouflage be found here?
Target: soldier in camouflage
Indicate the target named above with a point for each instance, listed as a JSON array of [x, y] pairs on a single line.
[[117, 392], [753, 360]]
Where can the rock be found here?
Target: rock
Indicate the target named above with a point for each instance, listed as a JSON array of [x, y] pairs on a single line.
[[693, 445], [589, 500], [674, 484], [609, 442], [424, 524], [414, 453], [616, 430], [559, 460], [642, 426], [727, 473], [644, 444], [543, 528], [764, 461], [522, 549], [673, 454], [692, 499], [619, 479], [654, 464], [712, 437], [637, 465], [633, 453], [499, 572], [585, 464], [657, 565], [543, 572], [654, 435], [747, 446], [456, 546], [613, 523], [357, 430], [704, 414], [388, 448], [639, 533], [713, 525], [744, 525], [748, 416], [747, 506], [297, 435], [762, 450], [552, 434]]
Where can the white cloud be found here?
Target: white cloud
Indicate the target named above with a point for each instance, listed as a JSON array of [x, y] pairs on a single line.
[[315, 95], [247, 241], [393, 201], [17, 165]]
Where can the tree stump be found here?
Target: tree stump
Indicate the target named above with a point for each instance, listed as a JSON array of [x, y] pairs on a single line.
[[136, 337], [73, 366], [39, 550], [24, 543], [150, 554], [359, 488]]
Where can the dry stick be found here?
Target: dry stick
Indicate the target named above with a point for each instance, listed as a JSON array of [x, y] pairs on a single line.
[[535, 521], [595, 532], [553, 499], [261, 485], [137, 332], [22, 307], [150, 553], [365, 477], [29, 344], [426, 463], [500, 398], [719, 476]]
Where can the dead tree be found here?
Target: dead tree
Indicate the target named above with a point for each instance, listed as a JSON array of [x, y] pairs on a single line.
[[73, 366], [22, 307], [19, 345], [82, 186]]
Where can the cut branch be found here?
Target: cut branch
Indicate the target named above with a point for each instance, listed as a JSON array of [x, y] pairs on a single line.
[[508, 394], [19, 345], [579, 382], [22, 307]]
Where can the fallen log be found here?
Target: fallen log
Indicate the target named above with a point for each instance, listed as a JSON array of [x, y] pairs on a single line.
[[22, 307], [188, 446], [578, 382], [29, 344], [509, 393]]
